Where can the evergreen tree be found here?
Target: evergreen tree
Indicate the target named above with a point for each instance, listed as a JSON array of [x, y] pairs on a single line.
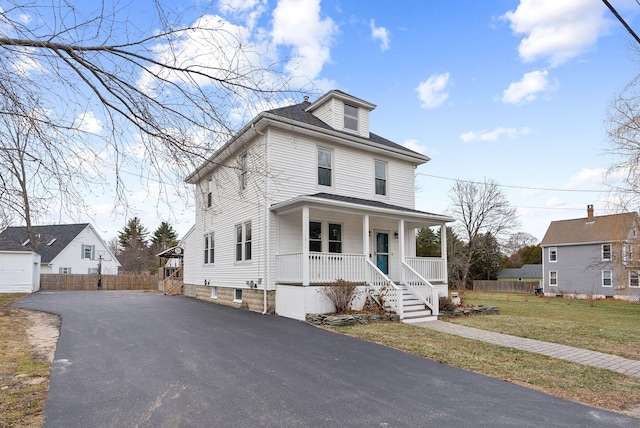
[[134, 234], [164, 237], [428, 243], [135, 256]]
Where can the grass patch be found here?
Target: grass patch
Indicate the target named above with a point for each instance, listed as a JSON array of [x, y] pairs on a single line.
[[600, 325], [597, 387], [24, 377]]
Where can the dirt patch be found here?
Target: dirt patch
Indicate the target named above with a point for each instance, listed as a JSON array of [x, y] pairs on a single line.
[[43, 333]]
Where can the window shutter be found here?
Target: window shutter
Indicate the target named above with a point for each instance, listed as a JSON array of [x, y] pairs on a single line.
[[82, 251], [93, 252]]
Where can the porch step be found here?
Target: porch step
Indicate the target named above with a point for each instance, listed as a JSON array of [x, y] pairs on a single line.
[[414, 310]]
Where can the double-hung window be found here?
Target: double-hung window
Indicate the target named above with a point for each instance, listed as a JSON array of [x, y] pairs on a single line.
[[606, 252], [209, 190], [315, 236], [553, 254], [553, 278], [209, 248], [381, 177], [335, 238], [243, 241], [88, 251], [64, 271], [324, 166], [350, 117], [243, 171], [634, 278], [606, 278]]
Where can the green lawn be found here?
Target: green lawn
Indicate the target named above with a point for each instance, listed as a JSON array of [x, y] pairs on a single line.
[[601, 325], [606, 326]]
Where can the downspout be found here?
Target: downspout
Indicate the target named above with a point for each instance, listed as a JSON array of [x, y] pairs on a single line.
[[266, 225]]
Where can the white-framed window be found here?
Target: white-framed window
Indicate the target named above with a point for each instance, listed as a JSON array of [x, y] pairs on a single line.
[[553, 278], [325, 166], [64, 271], [242, 166], [237, 295], [606, 252], [335, 238], [92, 271], [350, 117], [634, 278], [88, 252], [209, 191], [381, 177], [214, 292], [606, 278], [209, 248], [553, 254], [243, 241], [315, 236]]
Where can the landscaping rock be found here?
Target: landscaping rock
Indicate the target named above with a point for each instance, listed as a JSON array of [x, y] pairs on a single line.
[[349, 319], [477, 310]]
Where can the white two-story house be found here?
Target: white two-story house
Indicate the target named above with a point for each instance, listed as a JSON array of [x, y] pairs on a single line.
[[305, 195]]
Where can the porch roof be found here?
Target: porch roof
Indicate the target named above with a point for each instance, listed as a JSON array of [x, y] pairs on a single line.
[[348, 203]]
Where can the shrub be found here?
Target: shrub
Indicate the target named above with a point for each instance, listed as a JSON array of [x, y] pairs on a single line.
[[446, 304], [341, 293]]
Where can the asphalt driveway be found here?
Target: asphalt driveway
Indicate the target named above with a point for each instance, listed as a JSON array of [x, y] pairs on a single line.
[[127, 359]]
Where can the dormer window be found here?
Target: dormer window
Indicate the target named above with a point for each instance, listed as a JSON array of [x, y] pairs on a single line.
[[350, 117]]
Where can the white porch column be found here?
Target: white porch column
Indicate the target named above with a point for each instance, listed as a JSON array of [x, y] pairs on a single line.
[[305, 245], [401, 249], [443, 250], [366, 246]]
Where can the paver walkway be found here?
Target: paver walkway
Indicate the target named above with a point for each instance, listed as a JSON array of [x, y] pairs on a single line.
[[563, 352]]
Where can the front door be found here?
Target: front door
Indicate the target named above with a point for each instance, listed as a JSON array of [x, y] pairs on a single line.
[[382, 252]]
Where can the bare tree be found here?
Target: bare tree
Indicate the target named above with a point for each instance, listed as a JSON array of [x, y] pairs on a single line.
[[115, 97], [480, 208], [518, 240]]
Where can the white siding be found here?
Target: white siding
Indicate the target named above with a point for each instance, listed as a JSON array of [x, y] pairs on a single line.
[[324, 112], [19, 272], [71, 256], [293, 162]]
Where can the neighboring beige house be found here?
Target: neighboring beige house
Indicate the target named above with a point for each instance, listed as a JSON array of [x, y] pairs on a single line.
[[64, 248], [302, 196], [593, 256], [526, 273]]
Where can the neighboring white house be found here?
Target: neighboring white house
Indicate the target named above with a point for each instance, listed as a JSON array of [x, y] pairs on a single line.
[[302, 196], [64, 248], [19, 269]]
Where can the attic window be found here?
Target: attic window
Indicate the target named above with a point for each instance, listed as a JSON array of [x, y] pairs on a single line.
[[52, 241], [25, 243], [351, 117]]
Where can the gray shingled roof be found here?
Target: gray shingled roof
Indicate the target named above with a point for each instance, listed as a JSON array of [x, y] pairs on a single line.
[[369, 203], [606, 228], [63, 234], [299, 113], [526, 271]]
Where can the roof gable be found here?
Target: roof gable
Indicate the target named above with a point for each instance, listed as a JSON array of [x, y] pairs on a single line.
[[607, 228], [52, 239]]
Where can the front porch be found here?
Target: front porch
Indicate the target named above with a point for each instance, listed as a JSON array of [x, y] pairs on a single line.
[[347, 239]]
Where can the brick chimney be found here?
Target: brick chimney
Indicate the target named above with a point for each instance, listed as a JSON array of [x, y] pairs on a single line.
[[589, 213]]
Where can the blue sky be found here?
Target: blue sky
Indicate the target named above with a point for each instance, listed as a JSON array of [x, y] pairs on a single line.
[[511, 91]]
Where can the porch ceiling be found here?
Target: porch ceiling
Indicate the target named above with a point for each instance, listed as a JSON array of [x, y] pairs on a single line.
[[327, 201]]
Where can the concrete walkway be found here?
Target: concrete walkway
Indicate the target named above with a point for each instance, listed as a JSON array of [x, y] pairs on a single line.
[[563, 352]]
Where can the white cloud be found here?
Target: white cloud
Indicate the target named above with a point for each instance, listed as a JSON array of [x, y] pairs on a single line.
[[557, 30], [88, 122], [381, 34], [433, 91], [248, 10], [527, 89], [412, 144], [494, 135], [298, 24], [586, 178], [556, 202]]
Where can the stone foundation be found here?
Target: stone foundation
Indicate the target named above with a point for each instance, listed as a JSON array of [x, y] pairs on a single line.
[[338, 320], [252, 299]]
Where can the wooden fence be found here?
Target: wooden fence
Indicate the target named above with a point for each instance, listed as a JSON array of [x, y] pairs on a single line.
[[53, 282], [506, 286]]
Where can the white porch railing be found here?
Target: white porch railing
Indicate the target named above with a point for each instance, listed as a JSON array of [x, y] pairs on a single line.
[[433, 269], [422, 288], [328, 267], [383, 285], [289, 268]]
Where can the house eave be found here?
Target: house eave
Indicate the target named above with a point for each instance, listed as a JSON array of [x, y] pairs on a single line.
[[300, 201], [264, 119]]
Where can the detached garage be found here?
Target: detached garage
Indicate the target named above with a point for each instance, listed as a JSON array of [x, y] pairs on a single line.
[[19, 270]]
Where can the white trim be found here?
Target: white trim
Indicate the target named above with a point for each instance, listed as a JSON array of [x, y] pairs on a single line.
[[555, 252], [331, 167], [610, 252], [638, 278], [235, 295], [550, 283], [214, 292]]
